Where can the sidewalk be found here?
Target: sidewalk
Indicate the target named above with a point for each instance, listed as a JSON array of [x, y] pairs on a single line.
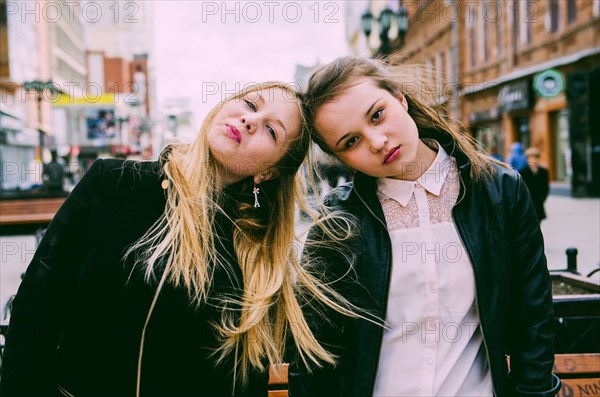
[[572, 222]]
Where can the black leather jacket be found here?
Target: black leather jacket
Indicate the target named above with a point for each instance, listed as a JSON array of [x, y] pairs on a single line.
[[77, 318], [497, 224]]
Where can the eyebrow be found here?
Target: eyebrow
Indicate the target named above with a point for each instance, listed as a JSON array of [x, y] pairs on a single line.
[[366, 115]]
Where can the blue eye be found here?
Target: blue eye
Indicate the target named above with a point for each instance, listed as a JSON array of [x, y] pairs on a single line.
[[376, 115], [272, 132], [251, 105], [351, 142]]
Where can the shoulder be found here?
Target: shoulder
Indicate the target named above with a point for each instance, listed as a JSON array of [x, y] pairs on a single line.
[[115, 169], [505, 184], [118, 177]]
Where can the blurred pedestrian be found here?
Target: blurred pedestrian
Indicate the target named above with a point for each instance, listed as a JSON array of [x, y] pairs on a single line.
[[53, 174], [536, 178], [516, 158], [173, 277]]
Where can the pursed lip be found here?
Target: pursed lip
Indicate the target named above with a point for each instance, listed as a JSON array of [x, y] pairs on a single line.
[[233, 133], [391, 155]]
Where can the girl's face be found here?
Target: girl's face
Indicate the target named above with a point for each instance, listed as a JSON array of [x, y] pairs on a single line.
[[370, 130], [249, 135]]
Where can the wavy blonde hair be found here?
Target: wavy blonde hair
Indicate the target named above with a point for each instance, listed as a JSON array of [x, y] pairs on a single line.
[[180, 248], [333, 79]]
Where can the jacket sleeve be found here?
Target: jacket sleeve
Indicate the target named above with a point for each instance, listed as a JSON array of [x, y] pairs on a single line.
[[532, 353], [327, 325], [39, 308]]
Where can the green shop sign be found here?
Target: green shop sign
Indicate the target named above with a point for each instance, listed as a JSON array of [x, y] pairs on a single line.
[[548, 83]]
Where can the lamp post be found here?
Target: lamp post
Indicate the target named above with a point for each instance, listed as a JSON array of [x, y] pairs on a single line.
[[402, 23], [384, 22], [39, 87]]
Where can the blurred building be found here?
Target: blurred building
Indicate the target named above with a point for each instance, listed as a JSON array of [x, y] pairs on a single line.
[[177, 121], [355, 37], [18, 139], [516, 70], [42, 53], [303, 73], [119, 58]]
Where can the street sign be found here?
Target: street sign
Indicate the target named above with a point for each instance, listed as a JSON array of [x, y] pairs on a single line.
[[549, 83]]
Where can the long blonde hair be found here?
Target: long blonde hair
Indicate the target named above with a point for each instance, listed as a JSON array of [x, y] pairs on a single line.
[[333, 79], [181, 248]]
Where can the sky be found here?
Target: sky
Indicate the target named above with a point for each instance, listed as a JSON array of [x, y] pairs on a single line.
[[208, 50]]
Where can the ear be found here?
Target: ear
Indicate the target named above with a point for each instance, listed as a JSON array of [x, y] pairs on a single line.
[[266, 175], [402, 100]]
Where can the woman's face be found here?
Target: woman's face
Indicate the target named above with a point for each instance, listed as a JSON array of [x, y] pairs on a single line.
[[249, 135], [370, 130]]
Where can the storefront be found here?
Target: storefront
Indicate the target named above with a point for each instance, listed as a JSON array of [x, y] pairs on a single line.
[[583, 95], [515, 100], [486, 127], [17, 154]]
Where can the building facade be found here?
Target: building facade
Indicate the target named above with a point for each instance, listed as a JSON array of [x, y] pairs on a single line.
[[42, 52], [517, 71]]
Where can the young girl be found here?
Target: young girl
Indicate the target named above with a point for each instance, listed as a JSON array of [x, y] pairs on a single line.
[[172, 278], [448, 251]]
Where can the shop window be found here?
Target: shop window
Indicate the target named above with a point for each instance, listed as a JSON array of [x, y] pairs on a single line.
[[559, 123], [522, 130], [491, 139]]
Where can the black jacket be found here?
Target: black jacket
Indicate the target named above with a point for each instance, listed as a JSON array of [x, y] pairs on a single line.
[[77, 320], [496, 222]]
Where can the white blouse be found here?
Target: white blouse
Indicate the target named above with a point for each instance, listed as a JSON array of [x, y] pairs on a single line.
[[434, 345]]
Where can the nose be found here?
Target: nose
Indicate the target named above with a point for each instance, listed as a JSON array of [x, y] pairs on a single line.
[[250, 123], [377, 141]]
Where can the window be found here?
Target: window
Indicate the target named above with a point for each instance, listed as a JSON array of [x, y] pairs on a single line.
[[449, 77], [438, 67], [516, 24], [571, 11], [471, 19], [428, 70], [554, 15], [3, 14], [527, 19], [499, 27], [484, 24]]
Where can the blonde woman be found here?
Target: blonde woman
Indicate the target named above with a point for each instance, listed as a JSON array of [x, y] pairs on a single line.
[[173, 278]]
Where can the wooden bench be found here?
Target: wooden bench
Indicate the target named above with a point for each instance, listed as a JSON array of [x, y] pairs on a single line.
[[579, 373], [29, 211], [278, 381]]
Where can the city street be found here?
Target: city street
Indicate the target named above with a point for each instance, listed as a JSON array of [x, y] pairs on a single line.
[[571, 223]]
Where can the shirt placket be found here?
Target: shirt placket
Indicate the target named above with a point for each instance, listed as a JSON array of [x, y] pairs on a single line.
[[430, 329]]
